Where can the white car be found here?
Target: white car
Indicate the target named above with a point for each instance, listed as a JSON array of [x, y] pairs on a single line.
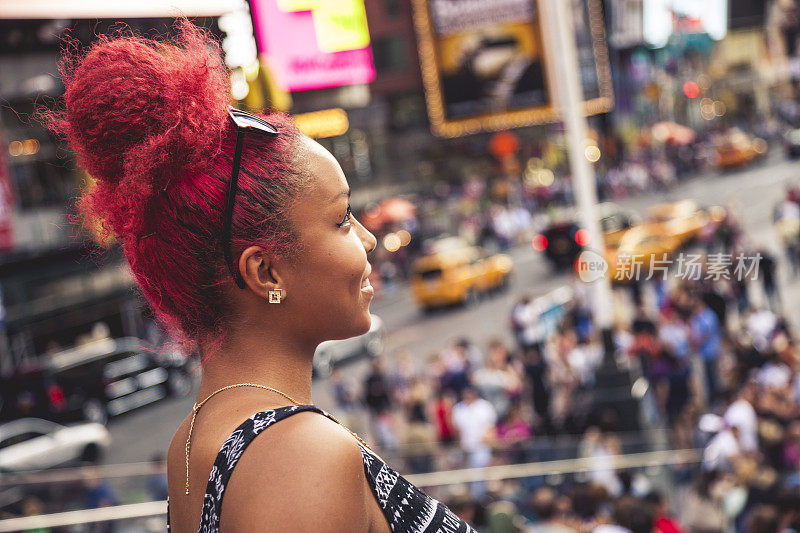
[[34, 444], [332, 353]]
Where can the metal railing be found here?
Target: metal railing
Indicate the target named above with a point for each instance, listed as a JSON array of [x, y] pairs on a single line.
[[432, 479], [564, 446]]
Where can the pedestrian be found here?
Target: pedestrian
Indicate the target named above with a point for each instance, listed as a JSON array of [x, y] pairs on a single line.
[[663, 522], [500, 379], [741, 414], [514, 434], [764, 519], [401, 377], [548, 519], [767, 268], [674, 333], [376, 388], [419, 439], [457, 365], [533, 329], [98, 493], [630, 515], [377, 398], [787, 224], [474, 419], [714, 299], [536, 376], [516, 319], [705, 339], [33, 506], [442, 409]]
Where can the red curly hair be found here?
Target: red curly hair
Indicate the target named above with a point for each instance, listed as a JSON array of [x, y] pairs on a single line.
[[148, 120]]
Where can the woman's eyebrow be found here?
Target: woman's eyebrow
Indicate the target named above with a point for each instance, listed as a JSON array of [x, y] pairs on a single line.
[[345, 192]]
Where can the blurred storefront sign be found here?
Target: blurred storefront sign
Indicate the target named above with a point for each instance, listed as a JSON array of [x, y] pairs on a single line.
[[626, 28], [747, 13], [741, 47], [743, 72], [6, 199], [503, 144], [239, 44], [324, 123], [663, 18], [486, 66], [313, 44]]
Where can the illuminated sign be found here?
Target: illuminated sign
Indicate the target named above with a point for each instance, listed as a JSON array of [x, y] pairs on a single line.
[[486, 64], [321, 124], [311, 44], [663, 18]]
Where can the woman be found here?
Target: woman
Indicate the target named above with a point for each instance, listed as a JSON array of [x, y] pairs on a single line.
[[239, 232], [513, 433]]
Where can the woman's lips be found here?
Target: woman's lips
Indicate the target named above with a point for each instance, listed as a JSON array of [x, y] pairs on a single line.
[[366, 287]]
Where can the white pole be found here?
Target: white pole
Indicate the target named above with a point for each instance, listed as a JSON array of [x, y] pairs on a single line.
[[570, 100]]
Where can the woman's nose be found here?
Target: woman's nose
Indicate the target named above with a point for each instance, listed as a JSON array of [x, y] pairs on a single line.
[[367, 238], [370, 242]]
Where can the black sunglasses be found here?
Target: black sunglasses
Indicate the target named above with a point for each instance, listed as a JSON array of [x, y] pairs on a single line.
[[244, 122]]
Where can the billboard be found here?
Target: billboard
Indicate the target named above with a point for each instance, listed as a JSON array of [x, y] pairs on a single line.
[[313, 44], [485, 63]]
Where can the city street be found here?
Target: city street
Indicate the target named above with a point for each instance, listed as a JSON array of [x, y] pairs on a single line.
[[142, 434]]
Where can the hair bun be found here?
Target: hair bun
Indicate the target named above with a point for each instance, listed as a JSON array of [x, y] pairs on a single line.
[[140, 112]]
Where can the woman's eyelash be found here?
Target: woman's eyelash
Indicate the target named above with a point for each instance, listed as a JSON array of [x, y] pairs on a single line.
[[346, 218]]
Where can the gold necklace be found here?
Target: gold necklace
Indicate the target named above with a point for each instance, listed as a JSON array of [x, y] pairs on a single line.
[[196, 407]]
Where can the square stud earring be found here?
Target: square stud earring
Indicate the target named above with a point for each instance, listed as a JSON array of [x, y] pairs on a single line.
[[275, 296]]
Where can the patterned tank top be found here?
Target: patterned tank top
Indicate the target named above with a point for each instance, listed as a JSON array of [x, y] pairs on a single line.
[[406, 508]]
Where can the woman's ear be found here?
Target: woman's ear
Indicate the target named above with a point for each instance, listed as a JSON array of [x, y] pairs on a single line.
[[259, 272]]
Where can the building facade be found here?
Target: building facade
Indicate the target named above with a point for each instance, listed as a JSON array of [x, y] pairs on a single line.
[[57, 283]]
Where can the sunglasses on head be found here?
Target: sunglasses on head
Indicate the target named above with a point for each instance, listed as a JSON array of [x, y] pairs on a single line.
[[245, 123]]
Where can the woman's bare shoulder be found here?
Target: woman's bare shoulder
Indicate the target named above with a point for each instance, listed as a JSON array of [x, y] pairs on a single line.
[[302, 474]]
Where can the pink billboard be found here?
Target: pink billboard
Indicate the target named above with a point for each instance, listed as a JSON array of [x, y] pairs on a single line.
[[312, 44]]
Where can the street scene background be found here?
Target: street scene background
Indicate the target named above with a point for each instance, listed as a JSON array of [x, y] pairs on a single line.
[[490, 378]]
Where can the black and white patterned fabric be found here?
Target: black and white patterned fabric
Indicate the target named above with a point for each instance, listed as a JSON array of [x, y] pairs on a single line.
[[406, 508]]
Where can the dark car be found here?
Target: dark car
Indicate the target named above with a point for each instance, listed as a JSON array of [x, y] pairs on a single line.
[[563, 241], [93, 382], [560, 244]]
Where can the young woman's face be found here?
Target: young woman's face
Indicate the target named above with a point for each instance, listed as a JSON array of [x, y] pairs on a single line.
[[326, 289]]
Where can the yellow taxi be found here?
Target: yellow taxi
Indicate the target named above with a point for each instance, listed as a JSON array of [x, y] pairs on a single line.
[[670, 226], [454, 272], [639, 252], [737, 148], [684, 219]]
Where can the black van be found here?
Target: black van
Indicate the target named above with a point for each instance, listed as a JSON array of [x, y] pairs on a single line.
[[93, 382]]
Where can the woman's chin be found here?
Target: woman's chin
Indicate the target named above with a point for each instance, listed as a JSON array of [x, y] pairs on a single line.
[[367, 320], [360, 325]]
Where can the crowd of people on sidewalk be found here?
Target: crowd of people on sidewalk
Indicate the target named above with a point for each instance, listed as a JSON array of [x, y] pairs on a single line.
[[723, 375]]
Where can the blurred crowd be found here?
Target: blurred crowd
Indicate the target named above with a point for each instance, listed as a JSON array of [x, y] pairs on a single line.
[[722, 371]]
